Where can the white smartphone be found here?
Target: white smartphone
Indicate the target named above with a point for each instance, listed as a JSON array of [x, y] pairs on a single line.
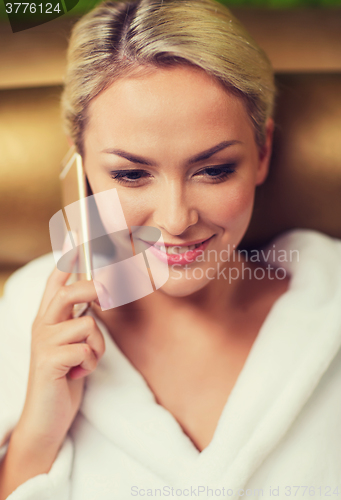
[[75, 190]]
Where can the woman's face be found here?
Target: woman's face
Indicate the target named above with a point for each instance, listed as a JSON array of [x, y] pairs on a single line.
[[182, 155]]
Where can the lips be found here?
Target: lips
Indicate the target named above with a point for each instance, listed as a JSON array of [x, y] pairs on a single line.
[[187, 244], [176, 254]]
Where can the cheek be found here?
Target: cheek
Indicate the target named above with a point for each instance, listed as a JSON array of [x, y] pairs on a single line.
[[136, 205], [231, 207], [132, 202]]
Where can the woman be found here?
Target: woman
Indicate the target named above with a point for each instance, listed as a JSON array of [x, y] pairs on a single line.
[[224, 382]]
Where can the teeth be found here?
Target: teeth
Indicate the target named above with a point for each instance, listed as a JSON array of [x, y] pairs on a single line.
[[172, 250], [175, 250]]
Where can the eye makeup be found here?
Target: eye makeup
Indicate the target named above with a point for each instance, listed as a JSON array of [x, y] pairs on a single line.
[[213, 174], [218, 173], [130, 176]]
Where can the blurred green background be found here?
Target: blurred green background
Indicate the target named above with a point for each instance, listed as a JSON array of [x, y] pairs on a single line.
[[274, 4], [85, 5]]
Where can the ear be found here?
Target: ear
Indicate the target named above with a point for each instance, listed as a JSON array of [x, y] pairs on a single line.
[[70, 141], [265, 153]]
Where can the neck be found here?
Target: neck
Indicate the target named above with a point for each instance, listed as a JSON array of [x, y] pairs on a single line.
[[215, 301]]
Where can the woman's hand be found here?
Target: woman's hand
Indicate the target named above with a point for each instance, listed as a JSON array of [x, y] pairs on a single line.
[[63, 351]]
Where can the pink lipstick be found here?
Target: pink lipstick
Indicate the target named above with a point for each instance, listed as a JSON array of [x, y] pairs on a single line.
[[179, 258]]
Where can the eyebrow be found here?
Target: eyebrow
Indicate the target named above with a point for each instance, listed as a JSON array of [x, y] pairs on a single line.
[[204, 155]]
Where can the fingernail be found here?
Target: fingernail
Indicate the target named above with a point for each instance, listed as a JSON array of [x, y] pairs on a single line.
[[74, 237], [70, 241], [104, 298], [108, 303], [67, 245]]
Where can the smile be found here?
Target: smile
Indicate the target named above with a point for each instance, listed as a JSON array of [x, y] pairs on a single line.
[[179, 254], [179, 249]]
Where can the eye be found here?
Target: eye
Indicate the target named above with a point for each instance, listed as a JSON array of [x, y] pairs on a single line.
[[218, 173], [129, 177]]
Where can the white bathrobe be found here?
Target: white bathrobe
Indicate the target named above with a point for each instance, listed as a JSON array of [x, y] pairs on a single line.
[[279, 433]]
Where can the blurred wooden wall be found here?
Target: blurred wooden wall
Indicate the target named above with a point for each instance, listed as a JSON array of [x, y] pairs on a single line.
[[303, 190]]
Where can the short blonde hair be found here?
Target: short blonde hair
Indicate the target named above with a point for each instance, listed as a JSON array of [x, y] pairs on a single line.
[[116, 38]]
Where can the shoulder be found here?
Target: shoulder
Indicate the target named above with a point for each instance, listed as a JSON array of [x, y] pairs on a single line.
[[304, 248], [307, 239], [312, 260], [34, 273], [24, 289], [18, 307]]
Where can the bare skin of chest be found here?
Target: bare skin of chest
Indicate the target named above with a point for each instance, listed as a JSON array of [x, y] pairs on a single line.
[[194, 382], [191, 362], [190, 373]]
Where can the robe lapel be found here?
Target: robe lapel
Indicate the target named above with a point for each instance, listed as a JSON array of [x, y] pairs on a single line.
[[293, 349], [119, 403], [295, 346]]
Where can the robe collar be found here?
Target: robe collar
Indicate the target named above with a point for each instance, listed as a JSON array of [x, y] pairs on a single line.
[[295, 345]]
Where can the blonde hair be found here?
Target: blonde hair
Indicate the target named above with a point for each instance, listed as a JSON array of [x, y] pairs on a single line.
[[116, 38]]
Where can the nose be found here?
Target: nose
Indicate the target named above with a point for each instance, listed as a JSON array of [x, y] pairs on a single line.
[[175, 212]]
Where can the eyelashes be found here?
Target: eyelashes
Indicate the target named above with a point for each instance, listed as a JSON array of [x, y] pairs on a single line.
[[219, 172], [128, 176], [214, 174]]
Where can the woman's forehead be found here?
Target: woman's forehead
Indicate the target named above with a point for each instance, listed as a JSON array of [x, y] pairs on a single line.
[[166, 101]]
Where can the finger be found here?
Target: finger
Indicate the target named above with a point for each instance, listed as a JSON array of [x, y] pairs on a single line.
[[58, 278], [77, 372], [60, 306], [68, 356], [82, 329]]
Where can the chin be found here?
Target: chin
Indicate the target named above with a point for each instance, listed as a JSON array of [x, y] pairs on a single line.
[[183, 287]]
